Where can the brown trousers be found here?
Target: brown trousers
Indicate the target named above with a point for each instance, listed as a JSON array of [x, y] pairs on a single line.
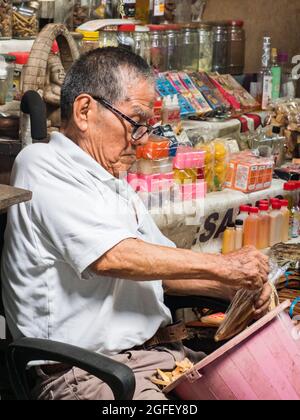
[[79, 385]]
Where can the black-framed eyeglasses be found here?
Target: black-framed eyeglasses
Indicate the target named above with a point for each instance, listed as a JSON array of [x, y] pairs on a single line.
[[139, 130]]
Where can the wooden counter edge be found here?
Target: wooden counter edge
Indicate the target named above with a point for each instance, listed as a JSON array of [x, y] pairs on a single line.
[[9, 196]]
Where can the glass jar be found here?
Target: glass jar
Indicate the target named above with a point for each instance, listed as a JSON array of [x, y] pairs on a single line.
[[108, 38], [236, 47], [220, 48], [10, 61], [142, 44], [158, 47], [174, 47], [125, 36], [5, 19], [3, 81], [81, 12], [205, 47], [190, 47], [90, 41], [21, 61], [25, 20]]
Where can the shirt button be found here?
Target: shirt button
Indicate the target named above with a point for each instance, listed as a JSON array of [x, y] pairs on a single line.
[[75, 389]]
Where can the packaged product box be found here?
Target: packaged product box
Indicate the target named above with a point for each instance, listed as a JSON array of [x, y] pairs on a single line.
[[165, 88], [213, 97], [249, 174], [236, 95], [188, 83]]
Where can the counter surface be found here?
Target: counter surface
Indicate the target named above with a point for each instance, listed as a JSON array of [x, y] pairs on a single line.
[[10, 196]]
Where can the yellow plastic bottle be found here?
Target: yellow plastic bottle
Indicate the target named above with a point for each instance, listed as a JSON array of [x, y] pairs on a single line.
[[251, 227], [229, 239]]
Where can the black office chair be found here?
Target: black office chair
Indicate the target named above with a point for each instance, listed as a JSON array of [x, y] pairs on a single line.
[[14, 381]]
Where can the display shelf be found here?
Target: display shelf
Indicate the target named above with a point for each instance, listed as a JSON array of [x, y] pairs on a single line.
[[198, 224]]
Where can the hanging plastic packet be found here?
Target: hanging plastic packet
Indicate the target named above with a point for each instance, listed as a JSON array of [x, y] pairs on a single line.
[[242, 310]]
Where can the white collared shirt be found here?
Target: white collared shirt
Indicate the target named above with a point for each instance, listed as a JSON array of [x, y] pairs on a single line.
[[78, 212]]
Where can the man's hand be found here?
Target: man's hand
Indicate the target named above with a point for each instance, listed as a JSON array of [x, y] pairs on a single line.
[[263, 302], [247, 268]]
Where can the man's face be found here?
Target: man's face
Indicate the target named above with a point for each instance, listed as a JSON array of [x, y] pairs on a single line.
[[108, 137]]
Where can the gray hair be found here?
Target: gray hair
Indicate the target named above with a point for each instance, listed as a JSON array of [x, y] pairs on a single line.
[[104, 72]]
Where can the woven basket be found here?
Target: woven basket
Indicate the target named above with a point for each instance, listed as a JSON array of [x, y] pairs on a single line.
[[36, 68]]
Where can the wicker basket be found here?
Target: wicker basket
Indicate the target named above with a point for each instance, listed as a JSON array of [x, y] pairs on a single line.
[[36, 68]]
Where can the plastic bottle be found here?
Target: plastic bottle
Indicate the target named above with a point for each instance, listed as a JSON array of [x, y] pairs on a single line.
[[239, 234], [229, 239], [251, 227], [289, 188], [276, 222], [263, 236], [286, 220], [276, 75], [244, 213]]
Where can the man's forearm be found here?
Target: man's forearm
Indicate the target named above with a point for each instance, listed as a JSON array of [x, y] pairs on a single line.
[[137, 260], [208, 288]]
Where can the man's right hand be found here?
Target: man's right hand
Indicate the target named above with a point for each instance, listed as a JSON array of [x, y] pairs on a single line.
[[247, 268]]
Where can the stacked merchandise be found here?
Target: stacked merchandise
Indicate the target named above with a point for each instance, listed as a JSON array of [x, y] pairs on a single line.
[[203, 95], [270, 223], [285, 114], [249, 173]]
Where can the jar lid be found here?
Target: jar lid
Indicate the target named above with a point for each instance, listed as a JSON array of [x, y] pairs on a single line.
[[140, 28], [193, 25], [156, 28], [204, 25], [89, 35], [126, 28], [239, 23], [220, 24], [173, 27], [21, 57]]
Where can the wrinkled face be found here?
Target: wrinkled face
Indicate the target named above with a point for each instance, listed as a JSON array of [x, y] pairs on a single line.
[[107, 137]]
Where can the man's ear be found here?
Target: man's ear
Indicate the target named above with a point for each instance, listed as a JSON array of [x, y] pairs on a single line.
[[81, 108]]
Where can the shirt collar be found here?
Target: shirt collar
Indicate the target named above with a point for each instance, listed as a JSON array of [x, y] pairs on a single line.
[[63, 144]]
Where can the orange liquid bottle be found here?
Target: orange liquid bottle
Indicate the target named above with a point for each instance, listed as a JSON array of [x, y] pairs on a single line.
[[286, 220], [251, 227], [263, 235], [276, 223]]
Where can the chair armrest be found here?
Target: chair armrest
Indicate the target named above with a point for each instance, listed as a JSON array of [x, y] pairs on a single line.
[[117, 376]]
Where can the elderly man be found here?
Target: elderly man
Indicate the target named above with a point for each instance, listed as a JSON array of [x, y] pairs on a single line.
[[84, 262]]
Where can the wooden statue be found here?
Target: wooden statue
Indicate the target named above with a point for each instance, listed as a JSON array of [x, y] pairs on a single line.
[[45, 71]]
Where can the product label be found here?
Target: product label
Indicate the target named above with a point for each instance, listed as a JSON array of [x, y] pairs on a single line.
[[159, 8], [128, 7], [267, 92], [276, 81]]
